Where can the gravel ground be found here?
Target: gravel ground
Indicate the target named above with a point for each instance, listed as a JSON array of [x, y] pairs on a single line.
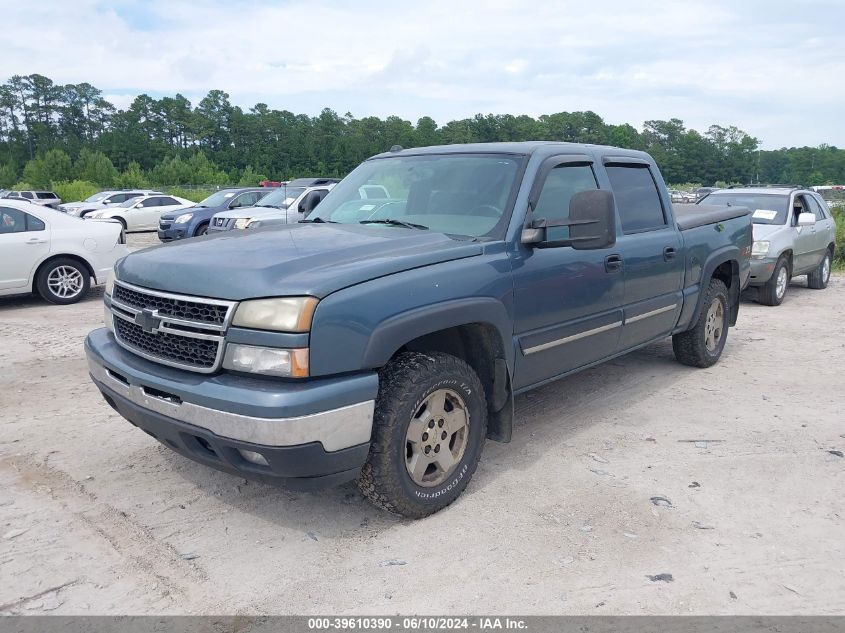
[[98, 518]]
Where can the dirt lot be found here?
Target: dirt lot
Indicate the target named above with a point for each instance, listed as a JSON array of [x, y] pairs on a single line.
[[96, 517]]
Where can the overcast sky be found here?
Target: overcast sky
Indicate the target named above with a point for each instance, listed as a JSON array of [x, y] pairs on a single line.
[[774, 69]]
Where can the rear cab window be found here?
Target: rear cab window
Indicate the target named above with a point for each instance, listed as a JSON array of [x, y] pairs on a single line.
[[637, 198]]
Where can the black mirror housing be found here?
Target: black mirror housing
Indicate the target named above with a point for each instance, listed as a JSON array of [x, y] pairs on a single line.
[[591, 222]]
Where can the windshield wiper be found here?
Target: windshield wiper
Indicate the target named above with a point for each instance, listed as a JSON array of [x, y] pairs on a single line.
[[269, 206], [317, 221], [394, 222]]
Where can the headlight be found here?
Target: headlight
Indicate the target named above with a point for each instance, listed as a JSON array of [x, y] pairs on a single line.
[[288, 314], [760, 249], [95, 215], [288, 363], [110, 282], [253, 224], [242, 223], [185, 217], [74, 211]]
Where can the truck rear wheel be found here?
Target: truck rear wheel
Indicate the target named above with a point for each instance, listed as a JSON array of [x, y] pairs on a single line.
[[428, 432], [702, 345], [773, 292]]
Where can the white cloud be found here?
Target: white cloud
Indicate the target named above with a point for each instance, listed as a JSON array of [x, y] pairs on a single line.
[[770, 70]]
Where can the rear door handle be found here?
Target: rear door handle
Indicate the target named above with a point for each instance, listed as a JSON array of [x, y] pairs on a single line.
[[613, 263], [35, 240], [669, 253]]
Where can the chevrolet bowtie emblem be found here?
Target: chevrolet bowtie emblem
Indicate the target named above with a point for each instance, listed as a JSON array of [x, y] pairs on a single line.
[[148, 320]]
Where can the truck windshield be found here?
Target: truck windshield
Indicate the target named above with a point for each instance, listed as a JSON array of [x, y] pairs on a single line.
[[766, 208], [456, 194]]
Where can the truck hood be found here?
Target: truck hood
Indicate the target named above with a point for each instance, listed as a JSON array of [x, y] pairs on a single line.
[[301, 259]]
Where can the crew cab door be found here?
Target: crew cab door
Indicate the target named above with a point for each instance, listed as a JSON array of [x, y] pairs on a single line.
[[650, 246], [567, 302], [24, 242]]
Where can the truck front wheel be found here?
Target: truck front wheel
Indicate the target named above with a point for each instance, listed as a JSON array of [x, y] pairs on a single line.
[[702, 345], [428, 432]]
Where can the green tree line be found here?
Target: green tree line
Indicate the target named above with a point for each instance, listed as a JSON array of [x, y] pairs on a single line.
[[71, 136]]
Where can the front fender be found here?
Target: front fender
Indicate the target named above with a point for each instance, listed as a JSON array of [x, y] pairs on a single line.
[[361, 327]]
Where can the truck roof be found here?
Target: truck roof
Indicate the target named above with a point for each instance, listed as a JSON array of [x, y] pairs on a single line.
[[521, 147], [784, 191]]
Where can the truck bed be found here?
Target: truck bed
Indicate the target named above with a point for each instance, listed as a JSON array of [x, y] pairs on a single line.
[[689, 216]]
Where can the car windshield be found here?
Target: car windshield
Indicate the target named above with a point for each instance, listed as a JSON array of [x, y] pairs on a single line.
[[456, 194], [281, 198], [97, 197], [766, 208], [216, 199]]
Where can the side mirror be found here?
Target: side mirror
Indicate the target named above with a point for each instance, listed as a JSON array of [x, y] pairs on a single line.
[[806, 219], [591, 222]]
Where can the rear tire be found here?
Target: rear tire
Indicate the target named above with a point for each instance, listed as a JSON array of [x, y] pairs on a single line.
[[774, 291], [702, 345], [428, 432], [817, 280], [63, 281]]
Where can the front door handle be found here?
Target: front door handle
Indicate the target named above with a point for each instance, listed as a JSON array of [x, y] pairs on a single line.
[[613, 263], [669, 253], [35, 240]]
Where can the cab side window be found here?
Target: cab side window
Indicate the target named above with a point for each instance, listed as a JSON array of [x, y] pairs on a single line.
[[637, 199], [247, 199], [563, 182]]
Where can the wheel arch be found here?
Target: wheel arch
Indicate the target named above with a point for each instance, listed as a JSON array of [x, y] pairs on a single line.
[[476, 330], [51, 258]]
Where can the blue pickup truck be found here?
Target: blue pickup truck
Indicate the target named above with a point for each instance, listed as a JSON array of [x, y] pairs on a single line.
[[384, 340]]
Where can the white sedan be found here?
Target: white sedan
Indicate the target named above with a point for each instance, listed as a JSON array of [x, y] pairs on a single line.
[[142, 213], [54, 254]]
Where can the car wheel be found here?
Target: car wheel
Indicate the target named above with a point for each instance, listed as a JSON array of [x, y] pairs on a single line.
[[817, 280], [702, 345], [202, 230], [429, 429], [63, 281], [774, 290]]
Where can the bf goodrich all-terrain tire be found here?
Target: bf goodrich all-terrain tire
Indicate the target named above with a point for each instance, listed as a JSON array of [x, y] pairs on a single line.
[[817, 280], [63, 281], [773, 292], [428, 432], [702, 345]]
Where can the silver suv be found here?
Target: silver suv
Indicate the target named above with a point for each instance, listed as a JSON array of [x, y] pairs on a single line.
[[794, 234], [42, 198]]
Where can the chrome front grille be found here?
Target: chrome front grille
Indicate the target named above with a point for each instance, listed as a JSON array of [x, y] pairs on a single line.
[[177, 330]]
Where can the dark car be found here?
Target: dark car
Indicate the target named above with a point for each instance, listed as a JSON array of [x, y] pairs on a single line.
[[193, 221]]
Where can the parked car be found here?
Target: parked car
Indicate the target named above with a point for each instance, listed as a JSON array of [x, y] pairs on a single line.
[[53, 254], [288, 203], [794, 234], [387, 349], [41, 198], [142, 213], [194, 221], [102, 200]]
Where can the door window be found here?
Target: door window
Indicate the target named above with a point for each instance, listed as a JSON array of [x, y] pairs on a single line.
[[637, 198], [167, 202], [150, 202], [16, 221], [815, 208], [563, 182], [27, 195]]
